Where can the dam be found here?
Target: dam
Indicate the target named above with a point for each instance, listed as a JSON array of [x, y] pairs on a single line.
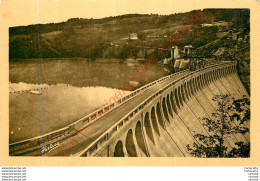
[[158, 119]]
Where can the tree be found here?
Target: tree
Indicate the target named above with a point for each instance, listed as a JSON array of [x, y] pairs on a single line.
[[229, 118], [124, 52]]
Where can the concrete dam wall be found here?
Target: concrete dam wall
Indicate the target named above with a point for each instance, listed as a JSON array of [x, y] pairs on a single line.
[[164, 124]]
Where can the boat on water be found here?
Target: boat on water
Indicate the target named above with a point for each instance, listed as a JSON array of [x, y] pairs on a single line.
[[35, 92]]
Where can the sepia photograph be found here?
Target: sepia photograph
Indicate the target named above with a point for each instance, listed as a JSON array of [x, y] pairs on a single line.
[[132, 85]]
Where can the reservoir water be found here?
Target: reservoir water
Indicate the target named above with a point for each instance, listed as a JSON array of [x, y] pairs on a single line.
[[82, 72], [68, 90]]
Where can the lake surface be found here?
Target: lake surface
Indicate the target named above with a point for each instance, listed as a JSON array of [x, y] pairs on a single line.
[[70, 89], [83, 73]]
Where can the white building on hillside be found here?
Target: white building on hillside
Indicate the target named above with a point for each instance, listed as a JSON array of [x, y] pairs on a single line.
[[133, 36]]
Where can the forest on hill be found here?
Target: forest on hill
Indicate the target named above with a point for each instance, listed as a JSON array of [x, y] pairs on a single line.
[[109, 37]]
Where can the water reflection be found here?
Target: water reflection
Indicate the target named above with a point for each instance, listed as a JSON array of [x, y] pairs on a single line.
[[81, 72]]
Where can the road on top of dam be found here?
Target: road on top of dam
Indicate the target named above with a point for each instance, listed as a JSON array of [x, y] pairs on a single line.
[[91, 133]]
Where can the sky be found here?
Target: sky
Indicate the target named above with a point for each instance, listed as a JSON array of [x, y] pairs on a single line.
[[25, 12]]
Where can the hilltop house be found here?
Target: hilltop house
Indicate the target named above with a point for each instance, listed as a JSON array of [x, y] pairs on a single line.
[[133, 36]]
